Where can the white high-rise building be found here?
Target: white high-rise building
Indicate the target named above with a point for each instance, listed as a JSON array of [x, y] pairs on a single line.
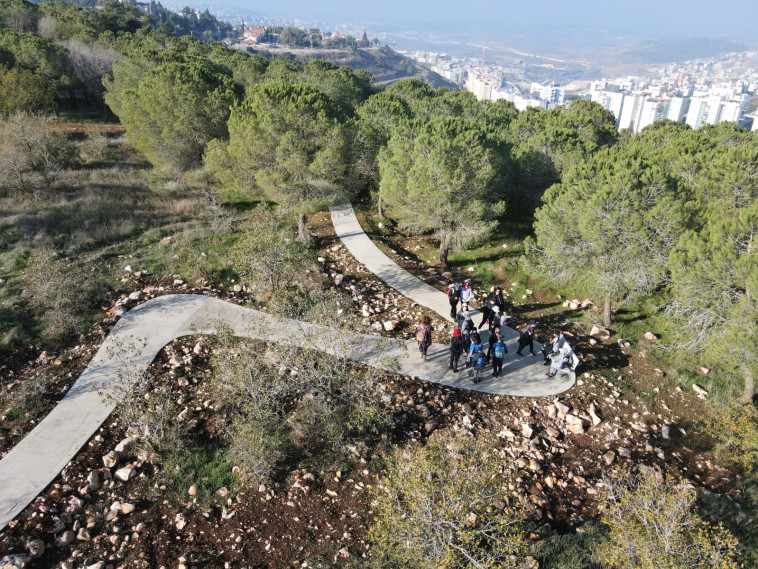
[[676, 108], [631, 111], [651, 110], [611, 100]]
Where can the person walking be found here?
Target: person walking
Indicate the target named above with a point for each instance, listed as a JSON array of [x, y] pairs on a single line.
[[498, 355], [489, 304], [456, 349], [424, 336], [467, 293], [497, 296], [453, 296], [474, 348], [466, 326], [479, 360], [526, 337]]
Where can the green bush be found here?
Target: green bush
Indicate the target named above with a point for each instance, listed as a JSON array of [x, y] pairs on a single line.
[[736, 427], [653, 524], [442, 505]]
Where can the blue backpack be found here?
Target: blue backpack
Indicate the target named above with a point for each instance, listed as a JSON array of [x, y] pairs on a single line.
[[480, 359], [498, 350]]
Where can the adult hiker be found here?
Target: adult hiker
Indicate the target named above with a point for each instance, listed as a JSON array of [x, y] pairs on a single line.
[[564, 359], [526, 337], [424, 336], [466, 325], [474, 348], [549, 349], [498, 355], [467, 293], [456, 349], [453, 296], [498, 320], [497, 296], [489, 304]]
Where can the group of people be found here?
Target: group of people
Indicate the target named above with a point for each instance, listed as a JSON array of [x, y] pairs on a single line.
[[466, 339]]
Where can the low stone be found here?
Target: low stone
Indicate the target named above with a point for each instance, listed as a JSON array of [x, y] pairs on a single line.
[[595, 415], [180, 522], [126, 446], [650, 336], [593, 342], [192, 490], [562, 408], [600, 333], [377, 326], [529, 291], [15, 561], [666, 432], [389, 326], [96, 565], [575, 424], [36, 548], [552, 432], [66, 538], [93, 480], [128, 269], [126, 473], [430, 426], [659, 372], [83, 534], [609, 457], [175, 361], [338, 279], [625, 452], [701, 391], [527, 431], [705, 370], [127, 508]]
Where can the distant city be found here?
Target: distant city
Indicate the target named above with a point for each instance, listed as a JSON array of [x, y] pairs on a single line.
[[696, 92]]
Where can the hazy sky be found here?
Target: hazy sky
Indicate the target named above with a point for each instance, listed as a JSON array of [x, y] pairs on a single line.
[[680, 18]]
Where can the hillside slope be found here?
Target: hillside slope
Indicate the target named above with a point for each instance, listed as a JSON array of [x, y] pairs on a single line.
[[383, 63]]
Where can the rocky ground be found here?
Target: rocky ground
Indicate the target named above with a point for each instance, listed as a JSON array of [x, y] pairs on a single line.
[[109, 508]]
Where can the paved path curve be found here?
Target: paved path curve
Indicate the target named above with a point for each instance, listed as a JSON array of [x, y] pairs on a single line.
[[143, 331]]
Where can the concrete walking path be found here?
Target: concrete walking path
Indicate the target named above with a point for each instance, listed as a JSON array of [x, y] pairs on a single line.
[[143, 331]]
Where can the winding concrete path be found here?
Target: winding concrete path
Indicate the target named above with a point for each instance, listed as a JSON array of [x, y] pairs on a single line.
[[143, 331]]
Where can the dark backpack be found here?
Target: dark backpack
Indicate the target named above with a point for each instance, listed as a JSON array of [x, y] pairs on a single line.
[[480, 359]]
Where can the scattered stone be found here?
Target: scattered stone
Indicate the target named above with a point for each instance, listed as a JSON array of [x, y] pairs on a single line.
[[128, 269], [701, 391], [705, 370], [666, 432], [66, 538], [111, 459], [126, 473], [625, 452], [83, 534], [125, 446], [192, 490], [650, 336], [377, 326], [595, 415], [527, 431], [127, 508], [389, 326], [659, 372], [338, 278], [199, 348], [575, 424], [180, 522], [609, 457], [600, 333], [15, 561], [529, 291], [175, 361]]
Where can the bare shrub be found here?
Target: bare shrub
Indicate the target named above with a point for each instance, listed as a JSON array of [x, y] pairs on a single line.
[[285, 401], [32, 151], [58, 293], [654, 525], [442, 505]]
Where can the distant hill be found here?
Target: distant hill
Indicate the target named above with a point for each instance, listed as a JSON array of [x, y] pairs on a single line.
[[386, 65], [684, 50]]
